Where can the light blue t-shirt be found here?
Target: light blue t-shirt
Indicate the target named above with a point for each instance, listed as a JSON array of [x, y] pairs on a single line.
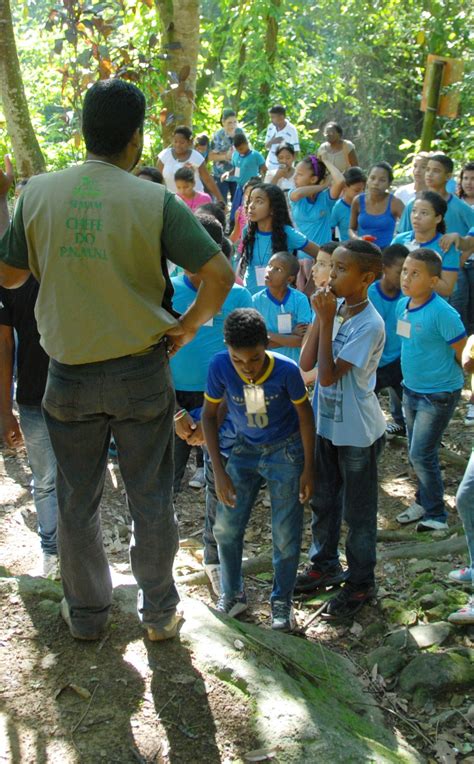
[[340, 218], [459, 218], [349, 413], [387, 308], [451, 258], [428, 361], [246, 166], [254, 278], [312, 216], [283, 388], [189, 366], [295, 307]]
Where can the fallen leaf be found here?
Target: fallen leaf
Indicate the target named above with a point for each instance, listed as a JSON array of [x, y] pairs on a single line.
[[81, 691], [356, 629], [444, 752], [261, 754]]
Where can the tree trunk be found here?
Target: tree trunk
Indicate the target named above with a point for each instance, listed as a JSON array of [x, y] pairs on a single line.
[[28, 156], [271, 41], [235, 100], [180, 34]]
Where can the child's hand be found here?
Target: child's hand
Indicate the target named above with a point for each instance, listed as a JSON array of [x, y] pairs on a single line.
[[300, 330], [448, 240], [324, 304], [225, 490], [197, 436], [185, 427], [306, 485]]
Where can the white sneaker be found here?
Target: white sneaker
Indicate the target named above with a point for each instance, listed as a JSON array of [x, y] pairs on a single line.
[[469, 419], [51, 566], [411, 514], [464, 614], [198, 480], [213, 572], [462, 575], [431, 525]]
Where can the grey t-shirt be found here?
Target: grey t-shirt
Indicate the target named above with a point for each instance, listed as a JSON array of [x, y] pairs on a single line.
[[349, 413]]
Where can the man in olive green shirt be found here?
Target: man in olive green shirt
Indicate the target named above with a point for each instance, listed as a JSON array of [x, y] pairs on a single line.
[[93, 236]]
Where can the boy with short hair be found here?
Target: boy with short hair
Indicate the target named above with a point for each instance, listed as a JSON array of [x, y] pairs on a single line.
[[384, 296], [185, 181], [432, 337], [355, 180], [286, 311], [460, 216], [246, 162], [347, 340], [268, 403]]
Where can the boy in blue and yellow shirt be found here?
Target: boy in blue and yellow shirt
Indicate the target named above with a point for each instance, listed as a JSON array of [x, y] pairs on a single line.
[[268, 404]]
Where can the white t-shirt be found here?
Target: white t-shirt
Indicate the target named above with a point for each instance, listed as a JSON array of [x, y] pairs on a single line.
[[406, 193], [171, 164], [288, 134]]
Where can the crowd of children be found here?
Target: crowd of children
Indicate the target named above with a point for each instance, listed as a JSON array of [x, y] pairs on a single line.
[[349, 286], [344, 288]]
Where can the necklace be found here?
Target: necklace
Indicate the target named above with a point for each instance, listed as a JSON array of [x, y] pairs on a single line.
[[357, 304]]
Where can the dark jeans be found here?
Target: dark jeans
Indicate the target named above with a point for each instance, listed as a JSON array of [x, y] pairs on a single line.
[[346, 489], [186, 400], [226, 188], [390, 377], [462, 297], [132, 398], [427, 416], [211, 552]]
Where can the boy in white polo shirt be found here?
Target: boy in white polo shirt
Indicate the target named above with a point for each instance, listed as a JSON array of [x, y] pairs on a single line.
[[280, 130]]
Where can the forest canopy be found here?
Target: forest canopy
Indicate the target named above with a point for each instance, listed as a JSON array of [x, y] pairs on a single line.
[[361, 64]]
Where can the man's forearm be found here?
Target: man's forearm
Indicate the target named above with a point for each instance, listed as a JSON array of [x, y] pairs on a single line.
[[6, 369]]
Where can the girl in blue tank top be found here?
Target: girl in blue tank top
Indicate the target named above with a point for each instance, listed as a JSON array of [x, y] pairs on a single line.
[[375, 213]]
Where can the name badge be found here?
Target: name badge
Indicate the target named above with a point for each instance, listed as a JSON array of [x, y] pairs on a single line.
[[403, 328], [237, 172], [255, 399], [210, 322], [284, 323], [260, 272], [338, 321]]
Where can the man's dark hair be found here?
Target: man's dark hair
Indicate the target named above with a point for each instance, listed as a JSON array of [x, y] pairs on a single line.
[[215, 209], [151, 172], [367, 255], [278, 109], [430, 258], [112, 111], [211, 225], [394, 252], [245, 328], [186, 174], [239, 140]]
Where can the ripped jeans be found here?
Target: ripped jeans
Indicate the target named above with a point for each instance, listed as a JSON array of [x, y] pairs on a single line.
[[346, 489]]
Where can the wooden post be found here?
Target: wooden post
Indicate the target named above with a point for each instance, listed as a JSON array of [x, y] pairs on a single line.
[[435, 77]]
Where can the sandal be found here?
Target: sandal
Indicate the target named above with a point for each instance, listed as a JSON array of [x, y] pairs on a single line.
[[411, 514]]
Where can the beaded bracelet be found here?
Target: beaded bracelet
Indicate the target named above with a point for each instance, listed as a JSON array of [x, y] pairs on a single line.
[[180, 414]]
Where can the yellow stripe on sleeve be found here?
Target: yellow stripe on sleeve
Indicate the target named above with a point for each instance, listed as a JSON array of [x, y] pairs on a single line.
[[212, 400], [300, 400]]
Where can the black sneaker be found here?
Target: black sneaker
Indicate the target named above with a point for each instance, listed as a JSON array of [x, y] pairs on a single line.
[[232, 607], [347, 603], [311, 579], [393, 429]]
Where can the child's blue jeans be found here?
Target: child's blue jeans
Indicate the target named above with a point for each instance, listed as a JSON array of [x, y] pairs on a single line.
[[281, 465], [346, 489], [465, 507], [427, 415]]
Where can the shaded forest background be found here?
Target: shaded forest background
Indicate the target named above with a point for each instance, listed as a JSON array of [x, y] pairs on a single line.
[[357, 62]]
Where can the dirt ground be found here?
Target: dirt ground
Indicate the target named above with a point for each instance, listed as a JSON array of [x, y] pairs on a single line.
[[125, 699]]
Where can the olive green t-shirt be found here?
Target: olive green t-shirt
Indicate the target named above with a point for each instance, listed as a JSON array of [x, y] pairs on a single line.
[[93, 236]]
